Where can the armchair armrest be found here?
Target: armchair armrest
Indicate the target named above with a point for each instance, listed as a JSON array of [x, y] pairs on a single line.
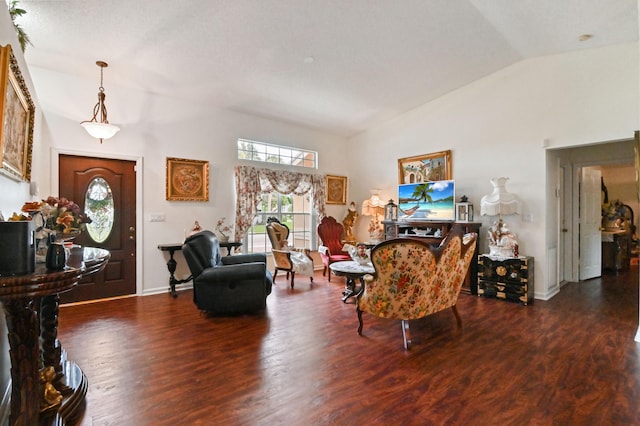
[[236, 273], [324, 250], [244, 258], [306, 251]]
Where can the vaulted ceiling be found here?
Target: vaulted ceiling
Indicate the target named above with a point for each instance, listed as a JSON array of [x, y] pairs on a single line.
[[338, 65]]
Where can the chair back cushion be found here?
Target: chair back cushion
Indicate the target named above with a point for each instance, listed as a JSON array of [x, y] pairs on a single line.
[[201, 251], [278, 234], [415, 279], [330, 232]]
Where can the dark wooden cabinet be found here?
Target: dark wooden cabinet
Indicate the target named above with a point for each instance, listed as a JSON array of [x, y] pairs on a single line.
[[434, 232], [506, 278], [616, 250]]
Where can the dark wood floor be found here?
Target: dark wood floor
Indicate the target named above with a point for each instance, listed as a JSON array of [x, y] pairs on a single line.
[[156, 360]]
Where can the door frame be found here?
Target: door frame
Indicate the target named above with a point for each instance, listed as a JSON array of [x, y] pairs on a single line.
[[55, 188]]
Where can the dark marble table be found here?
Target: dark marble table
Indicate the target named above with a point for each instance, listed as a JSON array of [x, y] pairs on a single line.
[[30, 304], [352, 271]]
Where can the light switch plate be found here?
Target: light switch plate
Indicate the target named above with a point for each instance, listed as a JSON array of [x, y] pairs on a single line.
[[156, 217]]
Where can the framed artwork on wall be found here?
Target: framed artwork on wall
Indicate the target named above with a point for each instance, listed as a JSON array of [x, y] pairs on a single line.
[[187, 180], [336, 189], [17, 112], [425, 168]]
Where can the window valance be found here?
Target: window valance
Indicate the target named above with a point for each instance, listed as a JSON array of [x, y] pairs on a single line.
[[252, 182]]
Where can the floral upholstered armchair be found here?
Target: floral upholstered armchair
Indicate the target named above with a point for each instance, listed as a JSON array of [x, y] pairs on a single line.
[[415, 279], [286, 258]]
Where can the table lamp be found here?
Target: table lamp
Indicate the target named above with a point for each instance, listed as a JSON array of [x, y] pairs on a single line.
[[502, 242], [374, 206]]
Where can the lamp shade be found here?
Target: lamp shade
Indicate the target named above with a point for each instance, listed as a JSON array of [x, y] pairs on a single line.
[[100, 130], [374, 205], [500, 201]]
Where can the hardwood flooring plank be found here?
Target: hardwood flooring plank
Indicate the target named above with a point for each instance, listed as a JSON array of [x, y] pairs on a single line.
[[157, 360]]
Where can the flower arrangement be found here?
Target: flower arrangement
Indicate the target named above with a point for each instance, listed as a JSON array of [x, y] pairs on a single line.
[[223, 229], [59, 215], [613, 210]]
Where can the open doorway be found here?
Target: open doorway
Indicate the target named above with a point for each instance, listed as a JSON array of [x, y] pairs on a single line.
[[615, 162]]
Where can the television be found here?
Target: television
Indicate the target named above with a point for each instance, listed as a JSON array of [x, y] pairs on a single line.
[[433, 200]]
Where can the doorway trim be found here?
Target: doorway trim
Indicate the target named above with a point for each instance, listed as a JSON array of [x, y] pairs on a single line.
[[55, 172]]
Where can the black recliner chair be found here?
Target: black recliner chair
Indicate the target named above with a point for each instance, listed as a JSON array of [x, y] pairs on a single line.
[[226, 285]]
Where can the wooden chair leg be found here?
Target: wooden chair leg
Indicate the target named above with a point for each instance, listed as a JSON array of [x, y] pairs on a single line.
[[293, 275], [406, 336], [275, 274], [455, 312], [359, 321]]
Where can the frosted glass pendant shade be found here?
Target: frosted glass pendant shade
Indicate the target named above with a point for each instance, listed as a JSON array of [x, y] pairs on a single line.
[[99, 127], [100, 130]]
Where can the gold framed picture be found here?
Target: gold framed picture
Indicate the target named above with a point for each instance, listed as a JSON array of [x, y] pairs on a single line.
[[336, 189], [187, 180], [17, 112], [425, 168]]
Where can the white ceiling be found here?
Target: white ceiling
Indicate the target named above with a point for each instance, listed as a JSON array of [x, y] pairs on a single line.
[[373, 59]]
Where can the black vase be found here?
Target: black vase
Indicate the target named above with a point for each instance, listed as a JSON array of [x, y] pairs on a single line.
[[56, 257]]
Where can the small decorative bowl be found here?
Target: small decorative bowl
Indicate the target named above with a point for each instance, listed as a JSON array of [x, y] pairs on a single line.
[[420, 232]]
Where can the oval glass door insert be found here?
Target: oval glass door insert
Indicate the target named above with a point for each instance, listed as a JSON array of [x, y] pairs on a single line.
[[98, 205]]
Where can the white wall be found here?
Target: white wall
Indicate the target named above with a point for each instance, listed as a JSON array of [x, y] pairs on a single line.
[[155, 127], [499, 126], [13, 194]]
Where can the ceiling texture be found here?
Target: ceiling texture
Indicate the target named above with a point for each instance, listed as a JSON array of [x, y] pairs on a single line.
[[342, 66]]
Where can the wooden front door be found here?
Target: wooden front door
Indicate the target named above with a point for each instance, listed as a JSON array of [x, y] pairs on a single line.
[[76, 177]]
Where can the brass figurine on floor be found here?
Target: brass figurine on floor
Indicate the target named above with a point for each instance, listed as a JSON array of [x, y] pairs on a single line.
[[348, 222], [52, 397]]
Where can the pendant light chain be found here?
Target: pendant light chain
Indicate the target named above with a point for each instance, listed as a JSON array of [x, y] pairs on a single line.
[[100, 129]]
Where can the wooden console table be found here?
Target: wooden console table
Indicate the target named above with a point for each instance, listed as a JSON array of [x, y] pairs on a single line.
[[30, 304], [172, 264]]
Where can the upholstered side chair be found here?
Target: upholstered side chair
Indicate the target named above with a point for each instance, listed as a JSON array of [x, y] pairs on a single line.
[[226, 285], [287, 258], [330, 233], [414, 279]]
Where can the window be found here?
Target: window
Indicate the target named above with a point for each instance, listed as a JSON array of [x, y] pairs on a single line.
[[276, 154], [291, 210]]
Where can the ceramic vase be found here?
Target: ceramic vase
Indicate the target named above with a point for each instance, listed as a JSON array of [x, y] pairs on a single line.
[[56, 257]]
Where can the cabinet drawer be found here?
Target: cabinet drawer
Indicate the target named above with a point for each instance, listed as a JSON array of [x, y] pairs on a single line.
[[511, 288], [506, 270], [511, 292]]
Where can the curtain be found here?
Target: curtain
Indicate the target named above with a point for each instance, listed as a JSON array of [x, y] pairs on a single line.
[[252, 182]]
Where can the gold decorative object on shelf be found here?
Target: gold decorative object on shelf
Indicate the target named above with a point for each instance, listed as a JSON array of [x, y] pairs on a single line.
[[348, 222]]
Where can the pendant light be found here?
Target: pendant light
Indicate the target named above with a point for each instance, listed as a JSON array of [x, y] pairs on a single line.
[[100, 129]]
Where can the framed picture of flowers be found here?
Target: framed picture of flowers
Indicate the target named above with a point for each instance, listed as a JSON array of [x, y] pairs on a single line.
[[187, 180], [17, 112]]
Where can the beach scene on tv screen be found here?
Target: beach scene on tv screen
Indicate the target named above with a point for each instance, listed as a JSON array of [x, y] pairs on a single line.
[[427, 201]]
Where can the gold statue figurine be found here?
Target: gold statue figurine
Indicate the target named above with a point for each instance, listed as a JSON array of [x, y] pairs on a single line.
[[348, 222], [51, 396]]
